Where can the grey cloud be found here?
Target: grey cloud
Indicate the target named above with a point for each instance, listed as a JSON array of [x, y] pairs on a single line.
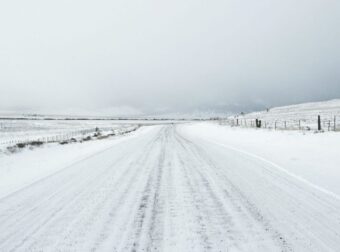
[[168, 56]]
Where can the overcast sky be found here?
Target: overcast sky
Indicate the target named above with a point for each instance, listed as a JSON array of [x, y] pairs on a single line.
[[153, 56]]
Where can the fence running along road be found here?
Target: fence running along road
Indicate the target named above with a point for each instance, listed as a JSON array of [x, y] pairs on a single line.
[[325, 123], [65, 136]]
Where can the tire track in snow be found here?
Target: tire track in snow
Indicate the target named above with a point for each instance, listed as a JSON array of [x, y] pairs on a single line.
[[128, 194], [225, 199], [148, 222], [38, 220], [79, 230], [165, 192], [303, 218], [58, 199], [44, 196]]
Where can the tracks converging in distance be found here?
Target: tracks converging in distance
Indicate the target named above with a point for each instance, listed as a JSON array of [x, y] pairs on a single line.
[[163, 191]]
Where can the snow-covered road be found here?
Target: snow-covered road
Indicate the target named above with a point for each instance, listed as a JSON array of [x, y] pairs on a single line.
[[166, 190]]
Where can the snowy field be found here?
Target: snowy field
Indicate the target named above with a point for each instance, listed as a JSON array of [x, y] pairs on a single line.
[[300, 116], [17, 131], [29, 130], [180, 187]]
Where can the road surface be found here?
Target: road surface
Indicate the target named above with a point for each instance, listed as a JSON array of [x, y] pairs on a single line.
[[166, 191]]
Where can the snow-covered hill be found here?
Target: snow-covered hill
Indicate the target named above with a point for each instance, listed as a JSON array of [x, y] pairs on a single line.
[[298, 116]]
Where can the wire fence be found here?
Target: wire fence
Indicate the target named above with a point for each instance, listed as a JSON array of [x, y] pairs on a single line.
[[67, 135], [317, 123]]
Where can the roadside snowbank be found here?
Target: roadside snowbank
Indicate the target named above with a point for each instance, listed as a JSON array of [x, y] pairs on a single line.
[[28, 166], [311, 157]]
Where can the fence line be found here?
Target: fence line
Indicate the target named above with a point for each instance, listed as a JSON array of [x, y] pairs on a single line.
[[318, 123], [67, 136]]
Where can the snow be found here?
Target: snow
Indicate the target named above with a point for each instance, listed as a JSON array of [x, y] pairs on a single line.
[[301, 111], [314, 157], [299, 116], [181, 187], [24, 130], [27, 166], [14, 131]]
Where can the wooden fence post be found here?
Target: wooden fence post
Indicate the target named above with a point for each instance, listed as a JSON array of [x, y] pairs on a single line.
[[319, 122], [334, 123]]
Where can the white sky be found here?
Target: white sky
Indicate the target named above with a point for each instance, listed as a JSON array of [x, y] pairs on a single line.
[[168, 56]]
